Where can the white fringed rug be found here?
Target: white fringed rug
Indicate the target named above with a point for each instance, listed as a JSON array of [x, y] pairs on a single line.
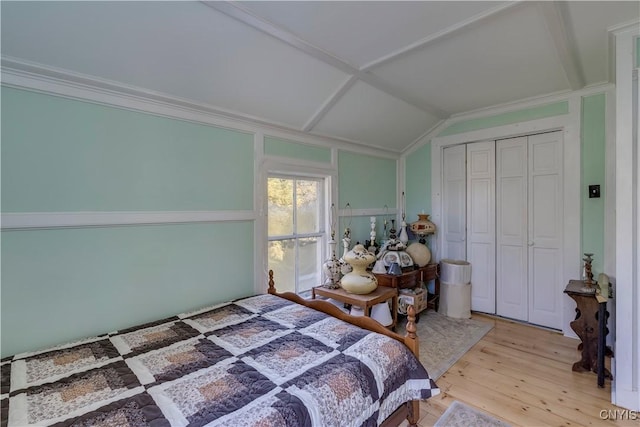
[[443, 340], [460, 415]]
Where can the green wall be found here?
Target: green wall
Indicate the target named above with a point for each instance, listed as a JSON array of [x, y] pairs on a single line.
[[418, 183], [294, 150], [592, 153], [365, 182], [68, 155], [64, 284], [62, 155]]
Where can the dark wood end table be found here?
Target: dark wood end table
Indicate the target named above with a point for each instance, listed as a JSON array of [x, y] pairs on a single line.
[[590, 326], [410, 278]]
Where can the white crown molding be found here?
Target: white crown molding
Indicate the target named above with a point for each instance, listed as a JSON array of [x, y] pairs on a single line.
[[534, 101], [56, 81], [325, 141], [370, 150], [27, 75], [529, 127], [31, 220], [604, 87]]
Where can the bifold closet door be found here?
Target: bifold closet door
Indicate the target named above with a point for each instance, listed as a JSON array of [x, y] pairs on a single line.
[[481, 220], [529, 228], [454, 203], [512, 292], [545, 229]]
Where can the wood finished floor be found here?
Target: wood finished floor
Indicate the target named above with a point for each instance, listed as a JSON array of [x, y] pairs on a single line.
[[522, 375]]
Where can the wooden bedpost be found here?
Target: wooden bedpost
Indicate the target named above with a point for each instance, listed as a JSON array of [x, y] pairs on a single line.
[[272, 285], [411, 340]]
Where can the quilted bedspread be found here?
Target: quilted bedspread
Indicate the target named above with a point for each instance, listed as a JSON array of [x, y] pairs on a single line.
[[259, 361]]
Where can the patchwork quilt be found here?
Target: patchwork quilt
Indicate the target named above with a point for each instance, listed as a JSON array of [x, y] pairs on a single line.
[[259, 361]]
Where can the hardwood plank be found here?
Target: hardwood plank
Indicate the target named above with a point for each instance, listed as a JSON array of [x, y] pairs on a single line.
[[553, 401], [522, 374], [564, 379], [551, 379]]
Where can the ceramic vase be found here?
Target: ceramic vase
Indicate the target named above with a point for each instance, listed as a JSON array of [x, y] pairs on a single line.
[[359, 281], [331, 268], [404, 236]]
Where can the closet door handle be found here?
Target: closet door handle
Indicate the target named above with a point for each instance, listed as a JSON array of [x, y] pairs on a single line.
[[530, 243]]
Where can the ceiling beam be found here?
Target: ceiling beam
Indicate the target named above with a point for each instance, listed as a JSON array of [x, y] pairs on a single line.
[[329, 103], [440, 35], [244, 15], [564, 43]]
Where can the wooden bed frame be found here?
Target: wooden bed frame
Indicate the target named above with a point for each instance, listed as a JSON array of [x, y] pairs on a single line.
[[410, 410]]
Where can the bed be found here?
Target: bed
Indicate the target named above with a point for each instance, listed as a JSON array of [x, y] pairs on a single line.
[[266, 360]]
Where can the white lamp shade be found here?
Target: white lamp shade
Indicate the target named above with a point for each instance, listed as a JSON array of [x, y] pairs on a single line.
[[379, 267], [382, 314]]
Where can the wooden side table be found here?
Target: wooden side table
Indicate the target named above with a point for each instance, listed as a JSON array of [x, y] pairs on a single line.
[[366, 301], [410, 279]]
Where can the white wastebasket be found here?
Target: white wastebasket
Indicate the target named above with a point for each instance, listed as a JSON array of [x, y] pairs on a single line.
[[455, 271], [455, 300], [455, 288]]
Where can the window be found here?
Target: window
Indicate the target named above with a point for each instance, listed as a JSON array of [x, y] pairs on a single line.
[[296, 231]]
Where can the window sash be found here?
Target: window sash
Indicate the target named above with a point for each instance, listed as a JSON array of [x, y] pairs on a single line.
[[320, 236]]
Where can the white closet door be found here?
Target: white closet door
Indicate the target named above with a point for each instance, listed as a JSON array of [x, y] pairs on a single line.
[[454, 203], [545, 229], [481, 220], [511, 228]]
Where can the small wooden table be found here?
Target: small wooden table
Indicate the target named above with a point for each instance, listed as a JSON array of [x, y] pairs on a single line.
[[410, 278], [366, 301]]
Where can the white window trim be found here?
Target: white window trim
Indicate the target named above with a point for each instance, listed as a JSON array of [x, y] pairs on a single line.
[[266, 165]]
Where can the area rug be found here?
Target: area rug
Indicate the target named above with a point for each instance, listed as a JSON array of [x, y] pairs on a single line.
[[460, 415], [444, 340]]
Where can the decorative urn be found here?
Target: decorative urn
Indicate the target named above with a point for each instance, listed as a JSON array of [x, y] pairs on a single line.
[[359, 281]]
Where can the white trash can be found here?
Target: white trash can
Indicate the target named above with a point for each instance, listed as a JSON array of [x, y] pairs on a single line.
[[455, 288], [455, 271], [455, 300]]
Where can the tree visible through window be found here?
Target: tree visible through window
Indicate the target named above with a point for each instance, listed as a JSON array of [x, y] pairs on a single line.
[[296, 232]]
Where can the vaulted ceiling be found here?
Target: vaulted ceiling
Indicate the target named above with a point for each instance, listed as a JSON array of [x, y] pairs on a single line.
[[375, 73]]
